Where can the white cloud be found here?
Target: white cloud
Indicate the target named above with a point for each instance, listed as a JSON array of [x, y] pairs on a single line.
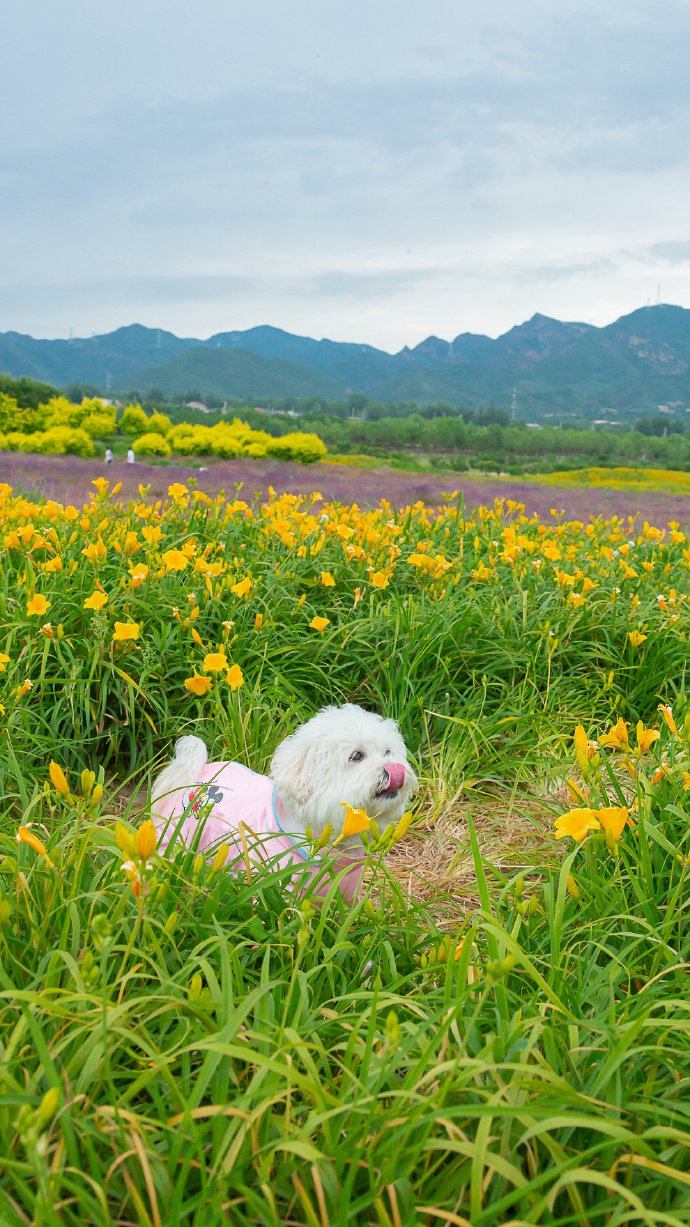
[[362, 171]]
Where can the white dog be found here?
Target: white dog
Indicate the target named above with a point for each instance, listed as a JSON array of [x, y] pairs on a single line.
[[343, 756]]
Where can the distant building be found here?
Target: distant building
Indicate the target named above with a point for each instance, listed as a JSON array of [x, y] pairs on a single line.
[[197, 404]]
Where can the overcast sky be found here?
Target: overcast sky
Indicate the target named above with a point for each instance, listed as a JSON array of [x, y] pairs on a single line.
[[370, 171]]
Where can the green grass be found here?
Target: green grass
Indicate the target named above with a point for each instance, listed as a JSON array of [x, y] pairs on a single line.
[[220, 1051]]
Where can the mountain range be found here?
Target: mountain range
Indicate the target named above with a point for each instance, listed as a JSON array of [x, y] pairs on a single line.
[[544, 366]]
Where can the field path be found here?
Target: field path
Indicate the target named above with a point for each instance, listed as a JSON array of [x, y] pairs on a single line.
[[67, 479]]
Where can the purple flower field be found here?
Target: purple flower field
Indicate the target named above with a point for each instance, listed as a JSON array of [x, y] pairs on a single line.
[[67, 479]]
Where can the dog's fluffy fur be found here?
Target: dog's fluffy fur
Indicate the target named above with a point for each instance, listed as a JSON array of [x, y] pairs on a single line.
[[340, 755]]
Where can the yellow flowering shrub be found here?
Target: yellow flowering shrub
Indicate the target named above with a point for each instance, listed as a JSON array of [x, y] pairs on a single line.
[[151, 444]]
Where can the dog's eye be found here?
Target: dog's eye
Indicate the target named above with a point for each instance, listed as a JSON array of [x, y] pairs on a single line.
[[386, 753], [356, 756]]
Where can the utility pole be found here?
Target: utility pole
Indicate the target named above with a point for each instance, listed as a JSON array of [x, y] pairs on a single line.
[[513, 405]]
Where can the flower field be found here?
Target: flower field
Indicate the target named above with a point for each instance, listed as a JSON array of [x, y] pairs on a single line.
[[672, 481], [180, 1045]]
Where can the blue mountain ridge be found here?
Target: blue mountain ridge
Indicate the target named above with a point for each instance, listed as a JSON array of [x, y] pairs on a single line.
[[631, 365]]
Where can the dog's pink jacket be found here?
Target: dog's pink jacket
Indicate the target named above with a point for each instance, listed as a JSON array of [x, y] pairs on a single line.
[[209, 813]]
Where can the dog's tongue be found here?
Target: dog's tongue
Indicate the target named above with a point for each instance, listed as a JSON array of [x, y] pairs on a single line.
[[396, 776]]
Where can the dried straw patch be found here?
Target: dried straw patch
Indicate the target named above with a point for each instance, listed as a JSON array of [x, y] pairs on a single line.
[[434, 862]]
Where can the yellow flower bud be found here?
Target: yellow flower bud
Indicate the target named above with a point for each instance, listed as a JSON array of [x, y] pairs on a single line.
[[171, 923], [124, 840], [146, 839], [220, 858], [401, 828], [393, 1031], [88, 779], [58, 780], [49, 1105], [96, 796], [324, 838]]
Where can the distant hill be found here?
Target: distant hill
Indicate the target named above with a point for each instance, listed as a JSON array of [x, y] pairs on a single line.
[[627, 368], [236, 372], [115, 357]]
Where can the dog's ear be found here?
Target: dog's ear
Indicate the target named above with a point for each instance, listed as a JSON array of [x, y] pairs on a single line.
[[291, 768]]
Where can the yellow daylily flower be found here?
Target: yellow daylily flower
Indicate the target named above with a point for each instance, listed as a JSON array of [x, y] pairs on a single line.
[[378, 579], [577, 823], [214, 662], [134, 877], [617, 735], [614, 818], [125, 631], [234, 677], [198, 685], [242, 588], [636, 638], [139, 573], [174, 560], [354, 822], [95, 551], [96, 601], [667, 713], [646, 737], [319, 624], [37, 606], [26, 836]]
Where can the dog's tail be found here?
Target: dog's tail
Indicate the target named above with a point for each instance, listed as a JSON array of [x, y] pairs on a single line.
[[190, 756], [190, 753]]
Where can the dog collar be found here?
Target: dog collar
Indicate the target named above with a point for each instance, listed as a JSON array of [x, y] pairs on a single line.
[[299, 849]]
